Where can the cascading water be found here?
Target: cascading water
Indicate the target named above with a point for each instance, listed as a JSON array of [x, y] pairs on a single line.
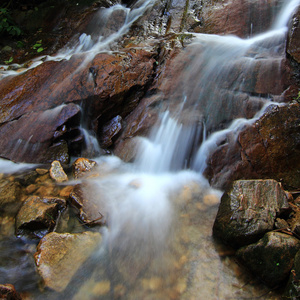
[[159, 210]]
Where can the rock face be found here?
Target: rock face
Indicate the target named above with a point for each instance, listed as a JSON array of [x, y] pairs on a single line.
[[248, 210], [109, 86], [267, 149], [59, 256], [271, 258]]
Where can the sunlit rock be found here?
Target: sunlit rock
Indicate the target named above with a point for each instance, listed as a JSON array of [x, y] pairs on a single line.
[[272, 257], [38, 216], [83, 167], [57, 172], [60, 255], [248, 210]]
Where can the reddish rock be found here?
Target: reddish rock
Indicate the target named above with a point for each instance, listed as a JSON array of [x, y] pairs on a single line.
[[269, 148], [110, 85], [31, 138], [8, 292], [293, 43], [110, 130], [241, 18]]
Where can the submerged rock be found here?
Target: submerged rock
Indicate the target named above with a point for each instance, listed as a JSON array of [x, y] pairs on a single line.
[[271, 258], [10, 193], [248, 210], [85, 201], [38, 216], [60, 256]]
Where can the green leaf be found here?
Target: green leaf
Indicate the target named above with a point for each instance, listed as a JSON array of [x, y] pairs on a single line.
[[9, 61], [40, 49]]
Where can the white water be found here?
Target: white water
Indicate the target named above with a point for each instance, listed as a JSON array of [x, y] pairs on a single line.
[[87, 44]]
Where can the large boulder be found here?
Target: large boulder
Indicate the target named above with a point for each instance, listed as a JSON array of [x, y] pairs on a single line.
[[248, 210]]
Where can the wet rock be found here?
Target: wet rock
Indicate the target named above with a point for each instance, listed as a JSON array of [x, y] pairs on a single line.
[[269, 148], [10, 193], [30, 138], [57, 172], [82, 167], [38, 216], [83, 199], [60, 256], [110, 131], [229, 17], [248, 210], [8, 291], [117, 84], [293, 43], [292, 290], [271, 258]]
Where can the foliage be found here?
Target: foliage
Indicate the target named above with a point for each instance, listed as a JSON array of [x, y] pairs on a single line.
[[7, 24], [38, 46]]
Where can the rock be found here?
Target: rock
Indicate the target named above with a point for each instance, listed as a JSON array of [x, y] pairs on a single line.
[[110, 131], [293, 42], [10, 193], [60, 256], [229, 17], [269, 148], [31, 138], [57, 172], [38, 216], [82, 167], [8, 291], [292, 290], [248, 210], [271, 258], [83, 199]]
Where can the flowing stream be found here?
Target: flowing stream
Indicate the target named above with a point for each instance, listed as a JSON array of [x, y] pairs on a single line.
[[160, 209]]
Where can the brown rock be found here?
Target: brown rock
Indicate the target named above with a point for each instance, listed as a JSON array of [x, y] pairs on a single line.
[[57, 172], [60, 256], [38, 216], [8, 292], [267, 149], [248, 210], [83, 198], [293, 43], [10, 193], [82, 167]]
